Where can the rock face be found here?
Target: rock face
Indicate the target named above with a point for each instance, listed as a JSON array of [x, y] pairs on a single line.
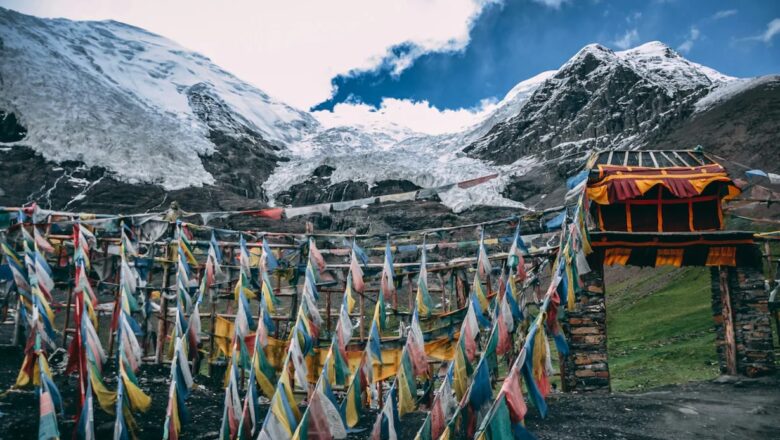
[[243, 160], [319, 189], [10, 130], [600, 99], [740, 121]]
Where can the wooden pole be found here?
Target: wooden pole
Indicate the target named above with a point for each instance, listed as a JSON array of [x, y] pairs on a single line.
[[229, 307], [148, 298], [460, 288], [768, 255], [213, 320], [362, 316], [67, 314], [410, 291], [327, 312], [395, 295], [17, 322], [773, 310], [116, 311], [728, 321], [444, 306], [70, 299], [379, 386], [162, 320]]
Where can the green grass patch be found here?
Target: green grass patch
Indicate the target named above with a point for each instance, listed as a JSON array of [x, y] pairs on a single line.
[[660, 329]]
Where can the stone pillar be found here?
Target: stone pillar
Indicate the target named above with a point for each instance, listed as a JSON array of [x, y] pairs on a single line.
[[586, 368], [752, 329]]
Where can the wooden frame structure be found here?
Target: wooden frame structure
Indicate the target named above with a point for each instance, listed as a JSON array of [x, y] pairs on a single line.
[[635, 222]]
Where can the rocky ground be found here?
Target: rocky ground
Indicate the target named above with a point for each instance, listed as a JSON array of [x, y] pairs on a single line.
[[727, 407]]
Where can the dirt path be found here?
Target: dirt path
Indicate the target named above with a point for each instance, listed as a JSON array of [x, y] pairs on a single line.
[[727, 408]]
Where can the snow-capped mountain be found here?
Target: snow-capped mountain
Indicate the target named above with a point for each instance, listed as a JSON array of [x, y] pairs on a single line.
[[106, 116], [601, 99], [113, 95]]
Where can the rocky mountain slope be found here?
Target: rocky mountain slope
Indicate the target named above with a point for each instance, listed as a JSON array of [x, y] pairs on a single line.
[[105, 116], [601, 99]]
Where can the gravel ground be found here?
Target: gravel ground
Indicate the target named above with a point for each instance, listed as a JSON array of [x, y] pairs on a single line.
[[721, 409]]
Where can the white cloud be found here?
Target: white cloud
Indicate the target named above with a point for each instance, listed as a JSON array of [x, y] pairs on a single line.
[[724, 14], [772, 29], [687, 45], [634, 17], [555, 4], [289, 49], [629, 39], [419, 116]]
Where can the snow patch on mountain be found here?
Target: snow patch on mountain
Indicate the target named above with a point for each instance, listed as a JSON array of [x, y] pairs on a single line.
[[114, 95], [664, 65], [730, 89], [381, 151]]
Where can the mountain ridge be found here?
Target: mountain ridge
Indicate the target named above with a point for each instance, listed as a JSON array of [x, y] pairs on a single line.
[[222, 143]]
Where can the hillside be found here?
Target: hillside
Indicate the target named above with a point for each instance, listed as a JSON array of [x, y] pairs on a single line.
[[660, 327]]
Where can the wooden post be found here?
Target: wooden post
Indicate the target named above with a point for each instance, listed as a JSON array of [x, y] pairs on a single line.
[[148, 298], [231, 258], [410, 291], [395, 293], [768, 255], [213, 319], [379, 393], [162, 320], [67, 314], [17, 322], [115, 311], [362, 316], [70, 300], [327, 313], [70, 290], [562, 368], [728, 321], [460, 288], [444, 306], [770, 278]]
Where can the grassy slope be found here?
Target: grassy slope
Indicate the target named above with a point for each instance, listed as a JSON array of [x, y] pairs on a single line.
[[660, 328]]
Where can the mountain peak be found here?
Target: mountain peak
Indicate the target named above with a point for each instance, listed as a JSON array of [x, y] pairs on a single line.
[[663, 64], [595, 50], [652, 48]]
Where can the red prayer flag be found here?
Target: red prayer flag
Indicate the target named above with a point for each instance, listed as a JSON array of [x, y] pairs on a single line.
[[270, 213], [418, 356], [477, 181], [437, 419], [514, 395]]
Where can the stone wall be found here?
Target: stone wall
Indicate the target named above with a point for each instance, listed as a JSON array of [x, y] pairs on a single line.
[[586, 368], [751, 321]]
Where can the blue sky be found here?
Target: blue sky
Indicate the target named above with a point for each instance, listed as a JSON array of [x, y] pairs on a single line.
[[521, 38], [430, 65]]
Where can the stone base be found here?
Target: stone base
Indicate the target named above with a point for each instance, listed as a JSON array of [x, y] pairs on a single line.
[[752, 328], [586, 368]]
